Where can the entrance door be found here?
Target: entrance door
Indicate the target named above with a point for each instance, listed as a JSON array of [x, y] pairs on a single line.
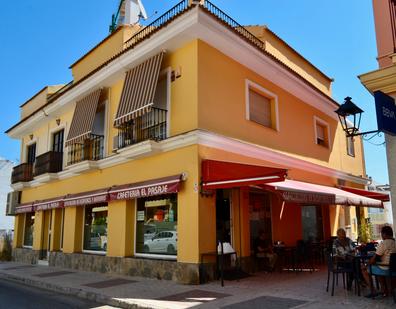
[[47, 221], [223, 216], [312, 223], [260, 217]]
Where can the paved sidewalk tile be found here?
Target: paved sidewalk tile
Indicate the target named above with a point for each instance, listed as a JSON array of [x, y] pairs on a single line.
[[261, 290]]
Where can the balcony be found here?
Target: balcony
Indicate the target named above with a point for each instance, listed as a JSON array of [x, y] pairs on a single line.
[[91, 150], [49, 162], [22, 173], [150, 126]]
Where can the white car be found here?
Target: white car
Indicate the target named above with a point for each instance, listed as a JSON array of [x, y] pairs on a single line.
[[162, 242]]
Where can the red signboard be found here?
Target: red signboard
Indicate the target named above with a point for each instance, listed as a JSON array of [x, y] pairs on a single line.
[[308, 198], [48, 205], [87, 200], [145, 189]]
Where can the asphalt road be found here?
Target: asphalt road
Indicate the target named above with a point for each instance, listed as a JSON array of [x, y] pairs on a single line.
[[17, 296]]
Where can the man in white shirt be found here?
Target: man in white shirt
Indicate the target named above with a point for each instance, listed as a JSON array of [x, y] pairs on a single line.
[[382, 254]]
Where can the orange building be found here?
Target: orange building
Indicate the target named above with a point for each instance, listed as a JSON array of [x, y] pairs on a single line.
[[177, 135]]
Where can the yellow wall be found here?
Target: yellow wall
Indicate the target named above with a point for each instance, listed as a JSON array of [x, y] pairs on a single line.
[[121, 228], [109, 47], [283, 52], [73, 229], [18, 231], [224, 111], [38, 100]]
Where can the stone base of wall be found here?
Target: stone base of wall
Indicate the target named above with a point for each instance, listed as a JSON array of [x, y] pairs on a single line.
[[27, 256], [161, 269]]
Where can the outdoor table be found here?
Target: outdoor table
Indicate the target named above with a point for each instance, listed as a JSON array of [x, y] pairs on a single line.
[[357, 260]]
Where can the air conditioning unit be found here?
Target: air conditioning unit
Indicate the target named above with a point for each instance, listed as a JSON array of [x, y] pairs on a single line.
[[13, 199]]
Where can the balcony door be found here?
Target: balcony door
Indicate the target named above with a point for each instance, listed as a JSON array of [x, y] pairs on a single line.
[[31, 153], [57, 141]]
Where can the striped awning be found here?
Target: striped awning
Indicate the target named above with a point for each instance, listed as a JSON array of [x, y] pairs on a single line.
[[83, 118], [138, 93]]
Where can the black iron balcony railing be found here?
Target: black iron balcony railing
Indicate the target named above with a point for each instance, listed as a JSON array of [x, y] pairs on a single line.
[[22, 172], [49, 162], [157, 24], [150, 126], [92, 149]]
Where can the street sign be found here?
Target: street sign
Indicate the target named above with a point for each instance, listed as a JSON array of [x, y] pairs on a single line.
[[386, 112]]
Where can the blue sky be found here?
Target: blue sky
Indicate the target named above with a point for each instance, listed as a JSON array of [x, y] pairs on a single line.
[[41, 38]]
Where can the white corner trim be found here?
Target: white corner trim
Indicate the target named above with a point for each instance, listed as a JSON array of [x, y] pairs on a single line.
[[197, 137], [272, 96]]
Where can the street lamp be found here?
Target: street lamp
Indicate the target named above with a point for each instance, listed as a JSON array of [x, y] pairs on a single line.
[[351, 127]]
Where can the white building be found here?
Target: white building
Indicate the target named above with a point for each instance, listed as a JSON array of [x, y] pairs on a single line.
[[6, 223]]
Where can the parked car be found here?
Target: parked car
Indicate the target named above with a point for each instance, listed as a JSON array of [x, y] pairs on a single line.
[[162, 242]]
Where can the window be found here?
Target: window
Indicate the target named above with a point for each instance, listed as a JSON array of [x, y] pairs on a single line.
[[156, 225], [260, 217], [31, 153], [95, 227], [28, 229], [261, 106], [57, 141], [351, 146], [321, 132]]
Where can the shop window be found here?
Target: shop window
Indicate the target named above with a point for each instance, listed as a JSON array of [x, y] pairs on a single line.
[[156, 225], [321, 132], [261, 106], [95, 227], [28, 230], [351, 146]]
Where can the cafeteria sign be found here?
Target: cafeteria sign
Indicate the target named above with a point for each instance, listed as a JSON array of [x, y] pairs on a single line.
[[386, 113]]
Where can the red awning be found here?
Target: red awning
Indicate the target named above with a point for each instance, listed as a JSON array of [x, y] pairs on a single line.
[[49, 204], [220, 174], [24, 208], [308, 193], [87, 198], [370, 194], [146, 188]]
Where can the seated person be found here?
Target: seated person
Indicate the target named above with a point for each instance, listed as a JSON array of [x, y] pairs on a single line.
[[263, 249], [343, 244], [382, 255]]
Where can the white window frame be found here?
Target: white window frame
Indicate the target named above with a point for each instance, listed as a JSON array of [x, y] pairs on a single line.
[[325, 124], [83, 231], [272, 96], [351, 140], [149, 255]]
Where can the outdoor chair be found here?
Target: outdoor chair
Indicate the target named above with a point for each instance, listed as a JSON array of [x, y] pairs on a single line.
[[391, 276], [336, 267]]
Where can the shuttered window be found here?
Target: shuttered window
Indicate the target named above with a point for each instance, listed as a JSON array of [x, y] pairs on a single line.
[[260, 109]]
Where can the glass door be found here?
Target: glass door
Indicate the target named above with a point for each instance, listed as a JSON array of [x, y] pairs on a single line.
[[312, 223]]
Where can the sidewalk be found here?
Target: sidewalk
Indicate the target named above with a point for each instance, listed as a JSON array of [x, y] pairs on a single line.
[[275, 290]]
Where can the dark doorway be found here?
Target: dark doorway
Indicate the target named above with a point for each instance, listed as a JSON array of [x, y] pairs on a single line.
[[312, 223], [223, 216]]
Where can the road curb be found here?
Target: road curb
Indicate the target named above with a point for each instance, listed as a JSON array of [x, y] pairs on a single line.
[[77, 292]]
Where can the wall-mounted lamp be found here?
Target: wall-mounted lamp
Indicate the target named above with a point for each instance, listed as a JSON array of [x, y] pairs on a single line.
[[31, 136], [58, 121], [351, 127]]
